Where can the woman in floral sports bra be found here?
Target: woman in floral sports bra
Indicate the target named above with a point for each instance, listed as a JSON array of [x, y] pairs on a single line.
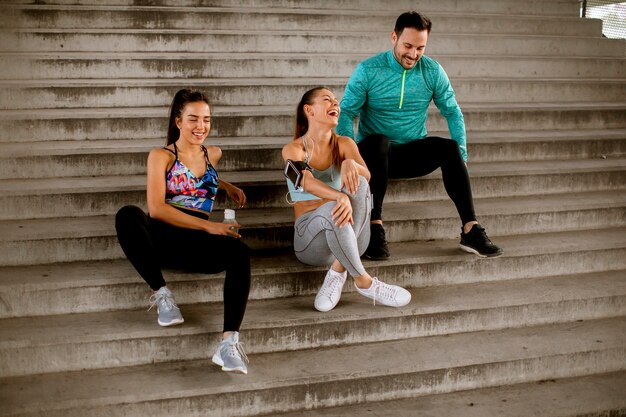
[[177, 233]]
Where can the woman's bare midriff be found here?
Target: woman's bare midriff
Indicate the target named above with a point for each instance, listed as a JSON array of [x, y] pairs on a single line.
[[302, 207]]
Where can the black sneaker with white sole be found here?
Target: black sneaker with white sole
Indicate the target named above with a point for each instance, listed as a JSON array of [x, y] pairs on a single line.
[[477, 242]]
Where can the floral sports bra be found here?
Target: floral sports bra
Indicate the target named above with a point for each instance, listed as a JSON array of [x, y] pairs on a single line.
[[183, 189]]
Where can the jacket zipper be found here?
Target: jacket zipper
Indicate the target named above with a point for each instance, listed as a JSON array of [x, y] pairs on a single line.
[[402, 92]]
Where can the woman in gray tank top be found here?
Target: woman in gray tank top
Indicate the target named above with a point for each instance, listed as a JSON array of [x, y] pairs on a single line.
[[332, 204]]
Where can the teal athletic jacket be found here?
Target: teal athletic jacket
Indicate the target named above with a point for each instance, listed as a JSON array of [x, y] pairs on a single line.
[[393, 101]]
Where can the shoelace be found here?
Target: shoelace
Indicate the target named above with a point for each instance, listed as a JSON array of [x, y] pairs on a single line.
[[384, 290], [483, 235], [328, 290], [167, 301], [236, 350]]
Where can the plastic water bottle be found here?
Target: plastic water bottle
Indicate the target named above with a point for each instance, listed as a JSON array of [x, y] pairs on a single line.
[[229, 217]]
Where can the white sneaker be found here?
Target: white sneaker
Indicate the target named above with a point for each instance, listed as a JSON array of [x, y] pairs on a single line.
[[386, 294], [329, 294]]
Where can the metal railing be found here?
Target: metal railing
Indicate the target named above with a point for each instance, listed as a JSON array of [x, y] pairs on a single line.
[[612, 14]]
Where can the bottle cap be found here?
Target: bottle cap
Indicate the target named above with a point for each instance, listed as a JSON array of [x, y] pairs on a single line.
[[229, 214]]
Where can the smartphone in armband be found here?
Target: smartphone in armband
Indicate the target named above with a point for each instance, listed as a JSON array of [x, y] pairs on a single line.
[[294, 170]]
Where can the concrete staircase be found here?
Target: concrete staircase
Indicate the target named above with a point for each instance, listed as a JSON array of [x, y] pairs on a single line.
[[540, 330]]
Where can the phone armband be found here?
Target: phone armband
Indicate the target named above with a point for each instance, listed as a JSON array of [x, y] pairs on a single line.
[[294, 171]]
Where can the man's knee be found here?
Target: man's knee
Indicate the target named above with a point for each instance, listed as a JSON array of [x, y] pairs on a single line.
[[449, 147]]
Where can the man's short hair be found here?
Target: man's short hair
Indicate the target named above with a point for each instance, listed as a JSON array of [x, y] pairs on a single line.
[[412, 20]]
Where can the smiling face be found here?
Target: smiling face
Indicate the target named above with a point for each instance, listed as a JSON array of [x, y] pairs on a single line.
[[194, 122], [324, 108], [409, 47]]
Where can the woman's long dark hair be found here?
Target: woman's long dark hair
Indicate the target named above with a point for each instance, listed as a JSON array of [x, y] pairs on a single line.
[[302, 124], [181, 99]]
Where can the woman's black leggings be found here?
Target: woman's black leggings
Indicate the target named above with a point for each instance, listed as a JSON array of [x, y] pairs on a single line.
[[151, 245], [416, 159]]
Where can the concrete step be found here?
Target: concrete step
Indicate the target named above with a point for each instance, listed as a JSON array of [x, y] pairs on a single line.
[[589, 396], [128, 157], [84, 287], [216, 18], [70, 93], [74, 94], [82, 65], [104, 195], [130, 338], [530, 8], [326, 377], [544, 145], [76, 158], [564, 255], [277, 40], [122, 123], [37, 241]]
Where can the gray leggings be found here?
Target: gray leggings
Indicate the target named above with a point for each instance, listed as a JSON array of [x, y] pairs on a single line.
[[319, 241]]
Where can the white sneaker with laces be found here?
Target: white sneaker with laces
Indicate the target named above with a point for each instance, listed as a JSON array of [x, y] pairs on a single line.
[[385, 294], [329, 294]]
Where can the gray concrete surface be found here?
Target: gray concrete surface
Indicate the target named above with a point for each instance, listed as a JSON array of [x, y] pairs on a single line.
[[85, 89]]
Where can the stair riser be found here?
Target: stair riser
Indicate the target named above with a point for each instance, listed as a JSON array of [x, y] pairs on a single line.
[[508, 186], [467, 91], [76, 356], [224, 94], [509, 224], [278, 124], [421, 189], [217, 19], [70, 206], [20, 68], [342, 391], [58, 166], [532, 7], [448, 228], [33, 252], [129, 163], [408, 385], [369, 42], [94, 203], [530, 91], [132, 293], [558, 149], [60, 250], [125, 163], [179, 42]]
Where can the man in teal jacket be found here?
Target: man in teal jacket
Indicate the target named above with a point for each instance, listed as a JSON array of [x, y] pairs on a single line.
[[391, 92]]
